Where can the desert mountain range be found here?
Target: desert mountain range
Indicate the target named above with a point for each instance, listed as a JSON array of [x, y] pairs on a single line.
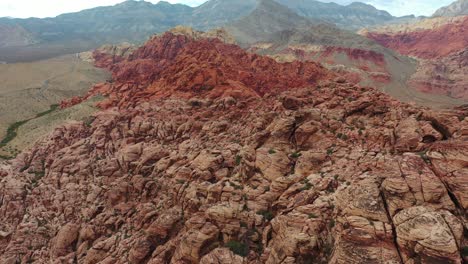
[[133, 21]]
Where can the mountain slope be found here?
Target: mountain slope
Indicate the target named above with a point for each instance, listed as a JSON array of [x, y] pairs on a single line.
[[127, 21], [267, 18], [429, 43], [276, 31], [457, 8], [361, 61], [440, 45], [130, 21], [446, 76], [353, 16], [327, 172], [15, 35], [215, 13]]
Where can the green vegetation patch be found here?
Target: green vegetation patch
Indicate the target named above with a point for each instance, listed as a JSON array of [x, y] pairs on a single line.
[[238, 159], [296, 155], [268, 215], [238, 248], [12, 130], [52, 109], [464, 251], [307, 186]]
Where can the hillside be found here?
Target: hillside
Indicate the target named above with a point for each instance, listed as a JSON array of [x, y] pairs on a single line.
[[440, 45], [130, 21], [354, 16], [14, 35], [439, 41], [457, 8], [266, 19], [216, 13], [204, 153], [274, 30]]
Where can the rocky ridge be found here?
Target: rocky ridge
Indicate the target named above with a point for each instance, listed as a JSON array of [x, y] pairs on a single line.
[[178, 65], [364, 62], [411, 26], [251, 170], [353, 16], [441, 51], [457, 8], [427, 44]]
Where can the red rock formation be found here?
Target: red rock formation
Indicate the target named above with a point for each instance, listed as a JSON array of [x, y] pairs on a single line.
[[329, 173], [105, 58], [448, 75], [179, 66], [442, 51], [361, 66], [427, 44], [377, 59]]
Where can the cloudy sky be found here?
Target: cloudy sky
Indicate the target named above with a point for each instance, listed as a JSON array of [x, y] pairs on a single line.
[[49, 8]]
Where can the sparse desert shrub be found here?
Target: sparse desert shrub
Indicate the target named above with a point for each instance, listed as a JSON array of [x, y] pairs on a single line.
[[307, 186], [296, 155], [238, 159], [268, 215], [238, 248], [312, 215]]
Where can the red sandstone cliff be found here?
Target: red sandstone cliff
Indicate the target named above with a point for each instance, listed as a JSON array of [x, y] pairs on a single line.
[[214, 155]]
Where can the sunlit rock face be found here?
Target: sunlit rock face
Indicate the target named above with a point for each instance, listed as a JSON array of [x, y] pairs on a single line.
[[204, 153]]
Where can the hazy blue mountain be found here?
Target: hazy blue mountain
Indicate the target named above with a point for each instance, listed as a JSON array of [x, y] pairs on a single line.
[[457, 8], [267, 18], [128, 21], [353, 16], [214, 13]]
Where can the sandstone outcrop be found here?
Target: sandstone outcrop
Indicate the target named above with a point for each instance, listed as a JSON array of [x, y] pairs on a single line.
[[178, 65], [275, 163]]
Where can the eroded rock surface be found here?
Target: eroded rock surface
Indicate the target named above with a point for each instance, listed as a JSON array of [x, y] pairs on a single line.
[[318, 172]]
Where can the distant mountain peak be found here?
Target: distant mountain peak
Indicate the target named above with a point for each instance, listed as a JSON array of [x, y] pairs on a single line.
[[354, 16], [267, 18], [457, 8], [129, 3]]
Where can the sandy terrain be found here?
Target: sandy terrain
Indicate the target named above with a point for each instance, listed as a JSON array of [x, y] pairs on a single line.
[[34, 129], [27, 89]]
